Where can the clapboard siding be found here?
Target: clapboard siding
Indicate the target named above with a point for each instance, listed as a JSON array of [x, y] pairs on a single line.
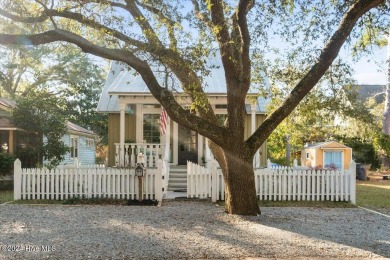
[[86, 154], [248, 131]]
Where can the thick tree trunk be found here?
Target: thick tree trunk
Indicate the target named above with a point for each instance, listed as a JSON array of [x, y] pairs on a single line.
[[386, 112], [240, 189]]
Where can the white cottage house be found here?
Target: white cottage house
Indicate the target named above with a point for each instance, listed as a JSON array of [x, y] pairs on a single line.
[[133, 118]]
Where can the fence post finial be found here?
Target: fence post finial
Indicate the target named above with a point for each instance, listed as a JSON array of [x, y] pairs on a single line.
[[269, 163]]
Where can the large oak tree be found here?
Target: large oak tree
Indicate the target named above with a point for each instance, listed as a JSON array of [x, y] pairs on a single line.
[[179, 35]]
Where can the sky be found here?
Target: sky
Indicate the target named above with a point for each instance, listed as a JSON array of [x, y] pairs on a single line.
[[371, 70]]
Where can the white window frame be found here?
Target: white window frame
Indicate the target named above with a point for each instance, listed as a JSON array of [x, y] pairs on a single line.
[[150, 112], [332, 151], [89, 142], [73, 149]]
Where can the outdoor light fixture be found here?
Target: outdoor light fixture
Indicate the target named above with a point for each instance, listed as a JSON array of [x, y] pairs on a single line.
[[129, 110], [5, 147]]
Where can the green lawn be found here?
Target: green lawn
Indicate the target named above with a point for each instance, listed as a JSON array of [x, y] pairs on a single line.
[[374, 195], [315, 204]]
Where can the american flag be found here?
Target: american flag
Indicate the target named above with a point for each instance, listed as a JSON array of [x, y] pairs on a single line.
[[163, 122]]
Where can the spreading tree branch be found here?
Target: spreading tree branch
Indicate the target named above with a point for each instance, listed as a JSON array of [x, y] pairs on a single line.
[[20, 19], [165, 97], [244, 7], [327, 56], [170, 24], [203, 17], [221, 32]]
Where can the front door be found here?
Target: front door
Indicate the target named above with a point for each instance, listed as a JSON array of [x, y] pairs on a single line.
[[188, 144]]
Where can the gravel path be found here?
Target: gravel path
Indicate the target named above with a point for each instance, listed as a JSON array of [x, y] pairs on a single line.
[[189, 230]]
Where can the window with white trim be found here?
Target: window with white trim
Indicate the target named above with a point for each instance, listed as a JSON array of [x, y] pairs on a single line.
[[151, 129], [333, 158], [74, 147], [89, 142]]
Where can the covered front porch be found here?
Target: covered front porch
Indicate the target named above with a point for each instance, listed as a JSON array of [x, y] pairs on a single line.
[[139, 132]]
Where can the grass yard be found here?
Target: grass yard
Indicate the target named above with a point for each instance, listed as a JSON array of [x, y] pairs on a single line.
[[374, 194], [315, 204], [6, 196], [302, 203]]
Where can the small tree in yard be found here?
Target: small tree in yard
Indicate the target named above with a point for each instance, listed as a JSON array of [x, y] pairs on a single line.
[[180, 35], [41, 115]]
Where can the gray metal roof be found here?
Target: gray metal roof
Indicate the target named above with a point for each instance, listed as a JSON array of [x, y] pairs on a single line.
[[321, 144], [76, 128], [123, 81], [7, 102]]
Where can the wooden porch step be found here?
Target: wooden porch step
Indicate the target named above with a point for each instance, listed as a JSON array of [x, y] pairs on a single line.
[[177, 178]]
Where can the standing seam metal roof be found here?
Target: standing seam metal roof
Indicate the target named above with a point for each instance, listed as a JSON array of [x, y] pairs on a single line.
[[123, 81]]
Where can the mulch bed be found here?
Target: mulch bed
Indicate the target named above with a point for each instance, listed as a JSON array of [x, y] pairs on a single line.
[[142, 203]]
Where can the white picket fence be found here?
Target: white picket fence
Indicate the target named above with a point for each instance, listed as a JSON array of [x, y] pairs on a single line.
[[61, 184], [278, 184]]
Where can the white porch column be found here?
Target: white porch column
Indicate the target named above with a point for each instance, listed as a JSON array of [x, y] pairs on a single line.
[[167, 141], [200, 149], [122, 107], [256, 160], [207, 156], [11, 142], [175, 143], [139, 134]]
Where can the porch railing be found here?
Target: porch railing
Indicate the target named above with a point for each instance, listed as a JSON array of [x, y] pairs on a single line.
[[127, 157]]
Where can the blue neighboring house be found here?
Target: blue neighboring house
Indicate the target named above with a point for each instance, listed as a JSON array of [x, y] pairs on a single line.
[[81, 142]]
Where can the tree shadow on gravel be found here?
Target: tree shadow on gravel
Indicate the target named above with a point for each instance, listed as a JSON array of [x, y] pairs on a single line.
[[353, 227], [187, 230]]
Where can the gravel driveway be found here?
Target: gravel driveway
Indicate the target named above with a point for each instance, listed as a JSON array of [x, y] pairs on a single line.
[[188, 230]]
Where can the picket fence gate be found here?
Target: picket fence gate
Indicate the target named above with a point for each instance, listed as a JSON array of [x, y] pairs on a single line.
[[278, 183], [61, 184]]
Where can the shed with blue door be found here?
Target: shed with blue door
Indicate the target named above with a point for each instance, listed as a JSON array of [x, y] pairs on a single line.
[[326, 154]]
